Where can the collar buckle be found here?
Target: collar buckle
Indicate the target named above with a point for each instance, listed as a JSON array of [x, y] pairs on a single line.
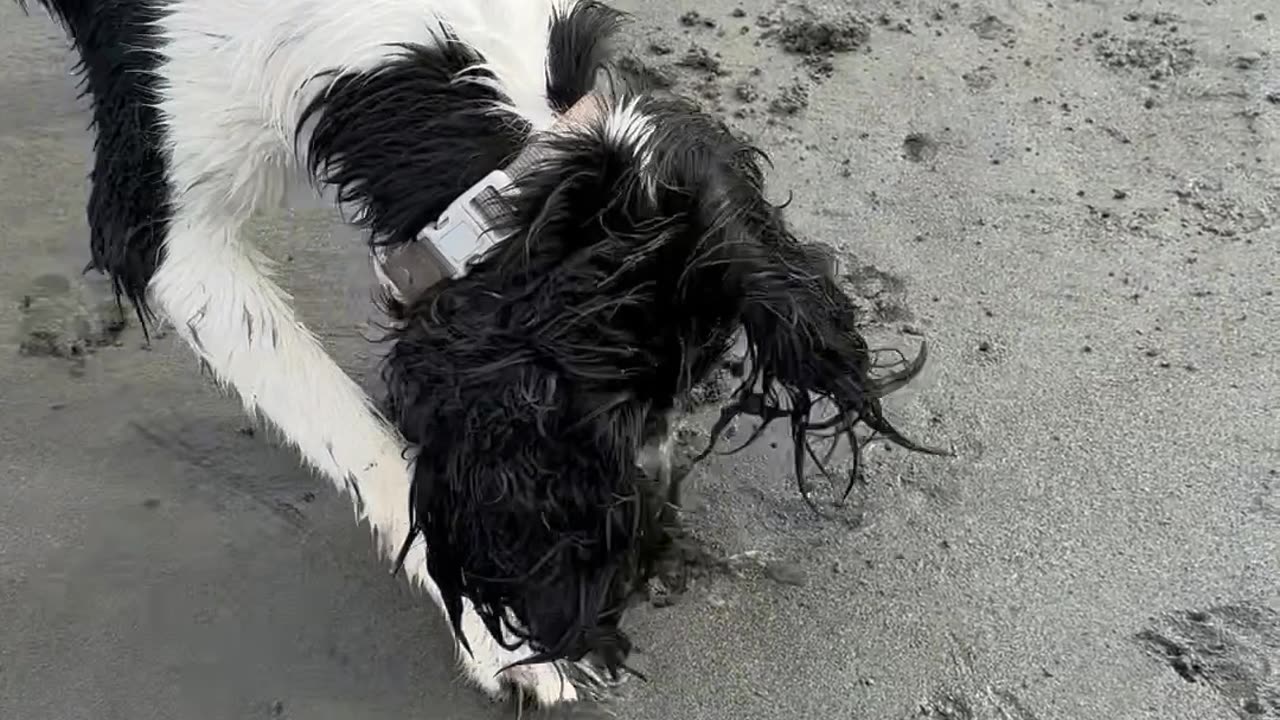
[[463, 231]]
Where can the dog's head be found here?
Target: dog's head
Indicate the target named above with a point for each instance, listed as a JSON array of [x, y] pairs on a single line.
[[640, 242]]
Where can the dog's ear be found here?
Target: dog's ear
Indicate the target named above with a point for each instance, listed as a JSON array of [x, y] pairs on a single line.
[[803, 338], [527, 495]]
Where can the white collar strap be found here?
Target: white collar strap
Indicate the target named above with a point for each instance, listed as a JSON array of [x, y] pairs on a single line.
[[466, 228]]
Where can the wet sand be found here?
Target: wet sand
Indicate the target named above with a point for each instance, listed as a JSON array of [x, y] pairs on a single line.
[[1074, 203]]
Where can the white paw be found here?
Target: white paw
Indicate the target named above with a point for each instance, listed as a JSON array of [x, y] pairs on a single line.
[[482, 677], [544, 683]]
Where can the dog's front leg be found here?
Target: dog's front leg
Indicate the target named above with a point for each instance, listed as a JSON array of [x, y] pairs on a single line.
[[217, 293]]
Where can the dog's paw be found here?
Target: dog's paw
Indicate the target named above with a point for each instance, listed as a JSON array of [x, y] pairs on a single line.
[[592, 679], [545, 684], [483, 678]]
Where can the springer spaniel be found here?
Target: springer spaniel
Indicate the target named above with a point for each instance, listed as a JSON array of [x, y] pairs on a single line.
[[522, 473]]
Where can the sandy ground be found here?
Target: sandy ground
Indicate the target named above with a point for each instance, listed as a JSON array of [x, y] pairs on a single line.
[[1074, 202]]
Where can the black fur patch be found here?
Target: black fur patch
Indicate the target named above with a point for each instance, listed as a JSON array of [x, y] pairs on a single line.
[[577, 50], [402, 142], [129, 210], [526, 385]]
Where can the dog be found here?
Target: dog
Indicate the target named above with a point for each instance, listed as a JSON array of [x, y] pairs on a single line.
[[519, 468]]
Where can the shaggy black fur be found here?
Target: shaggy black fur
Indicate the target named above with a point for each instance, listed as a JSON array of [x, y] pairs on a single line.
[[402, 143], [128, 210], [577, 49], [526, 385]]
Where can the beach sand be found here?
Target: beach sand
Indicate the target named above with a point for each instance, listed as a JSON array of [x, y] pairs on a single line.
[[1074, 203]]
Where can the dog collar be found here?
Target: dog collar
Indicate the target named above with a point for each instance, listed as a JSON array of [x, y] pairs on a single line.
[[468, 226]]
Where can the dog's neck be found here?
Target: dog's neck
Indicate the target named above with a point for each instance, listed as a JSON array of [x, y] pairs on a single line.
[[464, 229], [588, 110]]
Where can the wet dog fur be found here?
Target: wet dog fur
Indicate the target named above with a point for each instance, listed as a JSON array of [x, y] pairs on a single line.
[[506, 471]]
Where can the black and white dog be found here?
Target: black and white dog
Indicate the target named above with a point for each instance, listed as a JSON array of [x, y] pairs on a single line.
[[526, 391]]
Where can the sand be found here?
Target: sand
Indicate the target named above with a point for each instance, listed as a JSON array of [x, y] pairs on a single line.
[[1074, 203]]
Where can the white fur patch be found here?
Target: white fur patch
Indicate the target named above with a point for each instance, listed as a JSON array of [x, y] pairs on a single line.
[[236, 76]]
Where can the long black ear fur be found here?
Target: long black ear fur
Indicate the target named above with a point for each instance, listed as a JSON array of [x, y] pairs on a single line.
[[526, 385], [805, 347], [806, 350]]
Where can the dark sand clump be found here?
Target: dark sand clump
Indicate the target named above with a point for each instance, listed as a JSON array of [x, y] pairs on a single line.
[[815, 36]]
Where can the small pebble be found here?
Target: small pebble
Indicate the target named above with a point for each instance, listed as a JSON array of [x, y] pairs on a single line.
[[693, 18], [746, 92], [1246, 61], [786, 573]]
